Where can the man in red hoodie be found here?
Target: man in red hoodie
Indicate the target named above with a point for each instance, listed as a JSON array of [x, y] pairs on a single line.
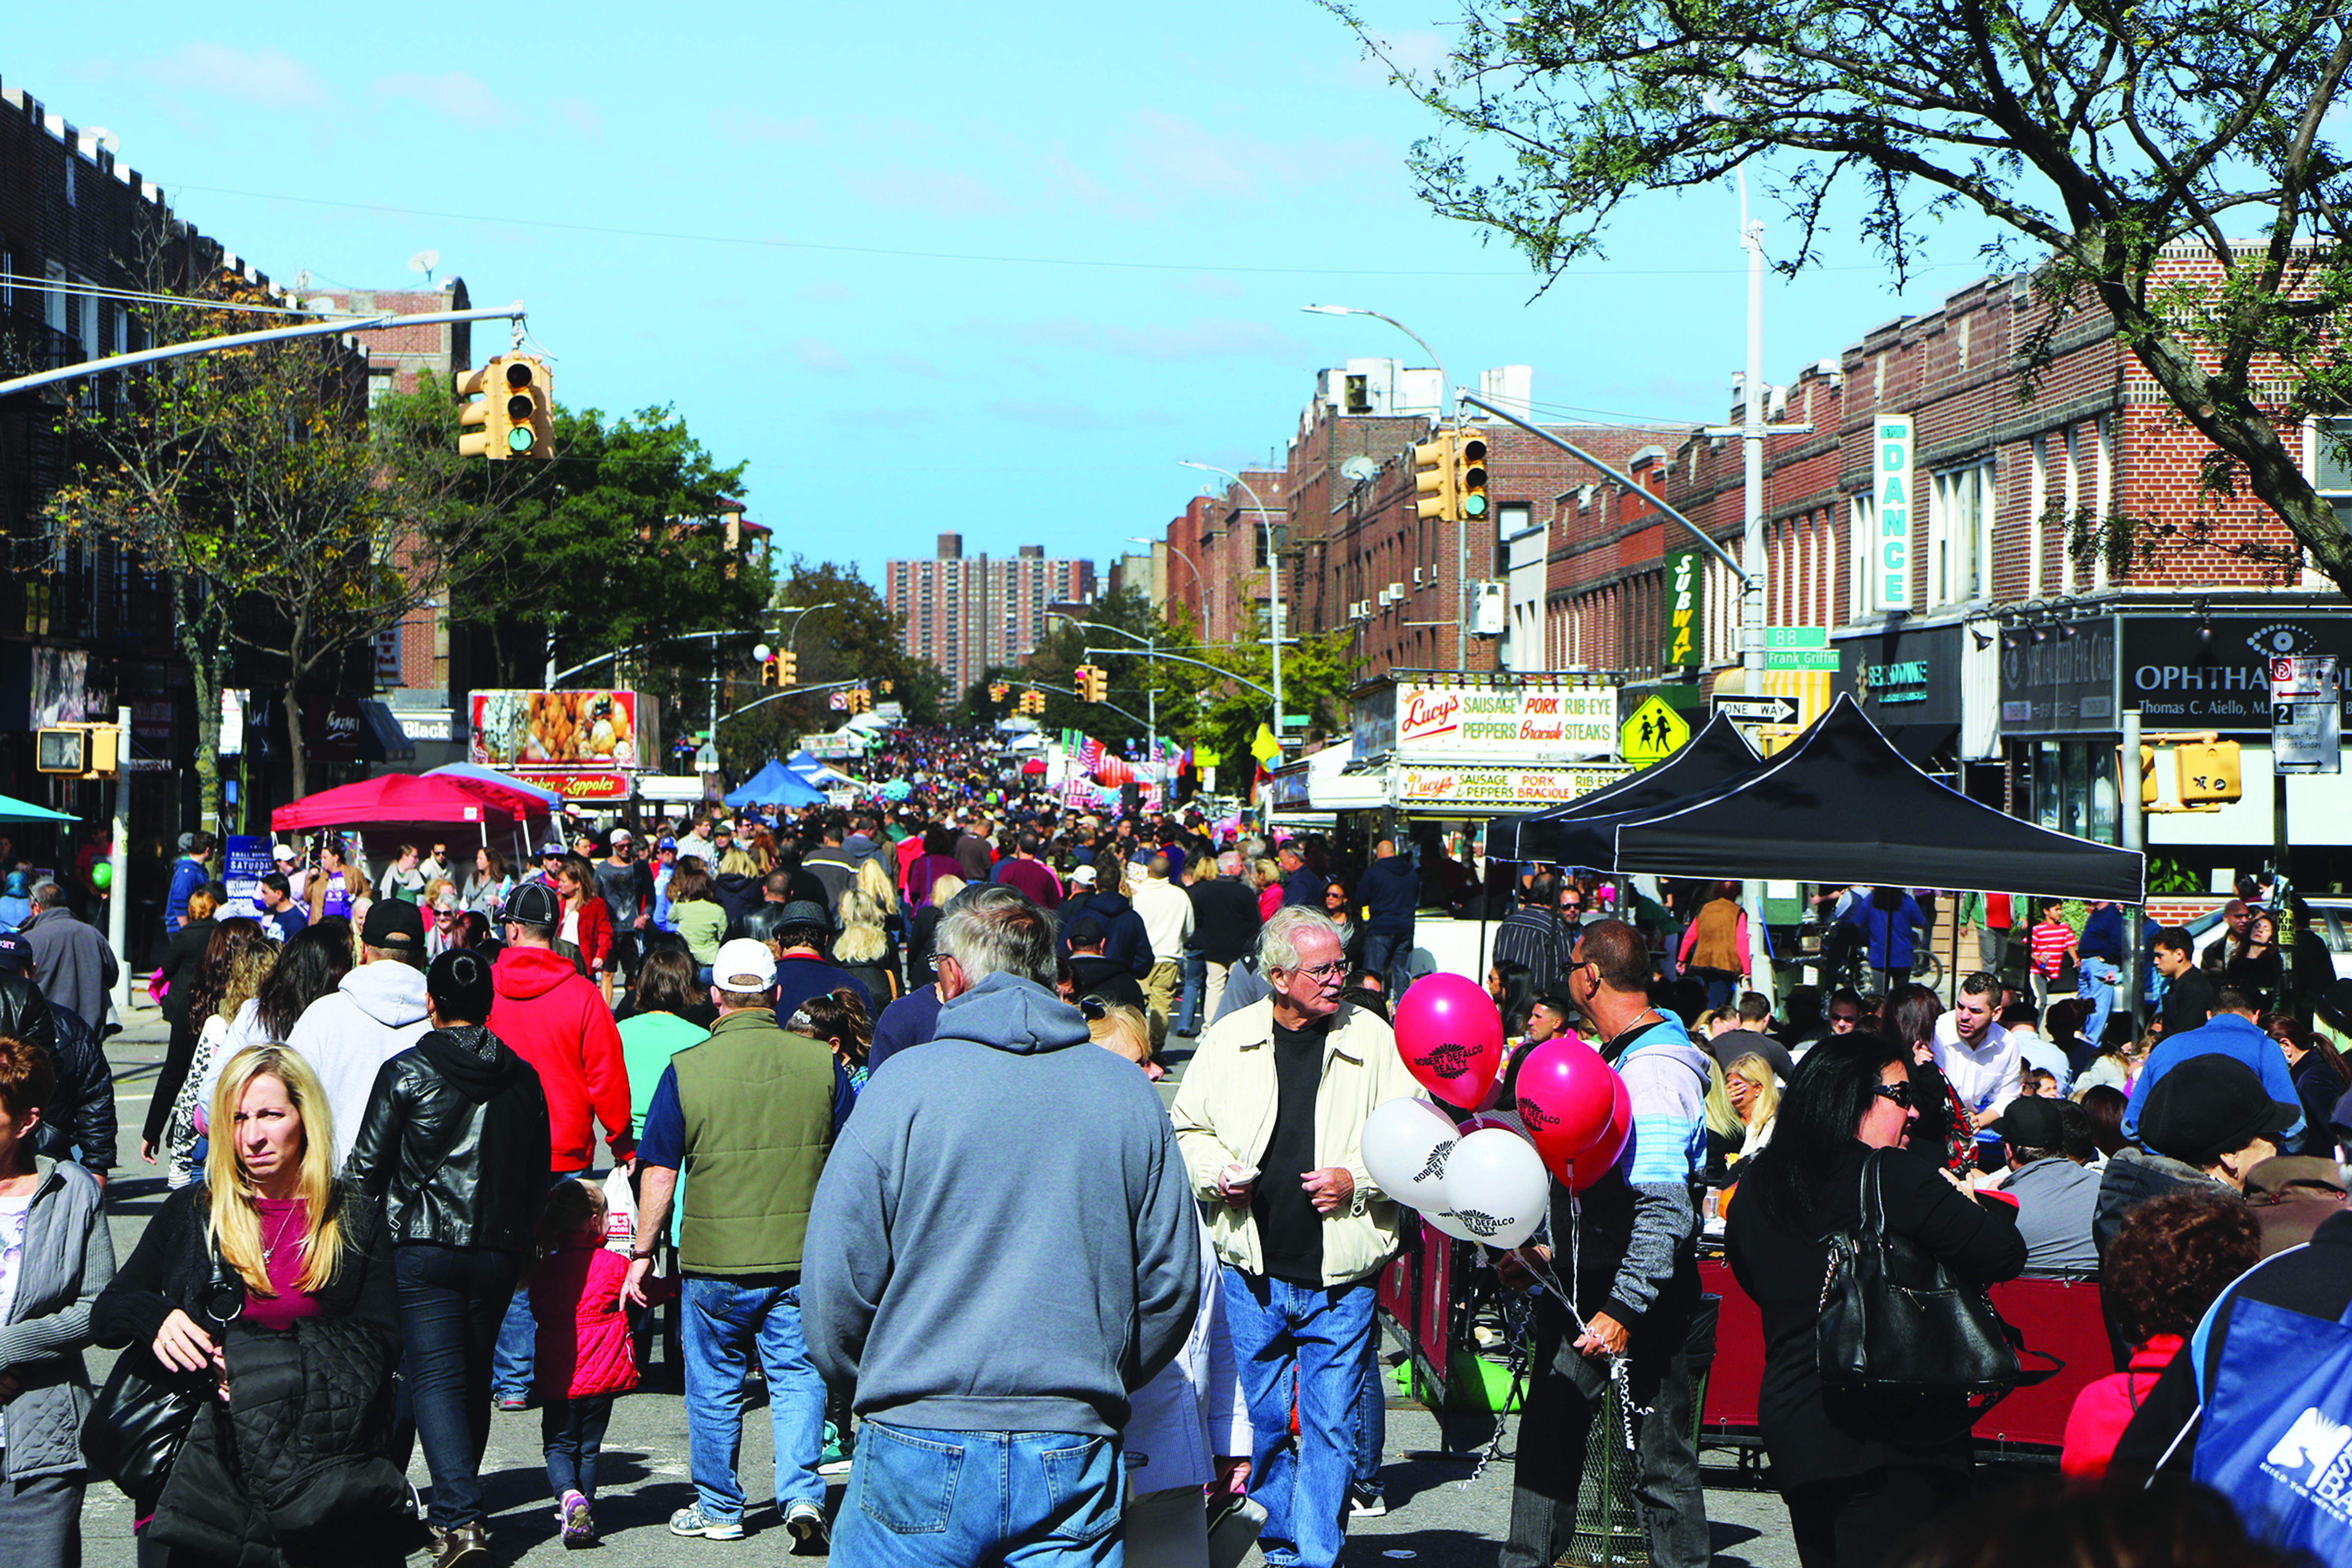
[[557, 1022]]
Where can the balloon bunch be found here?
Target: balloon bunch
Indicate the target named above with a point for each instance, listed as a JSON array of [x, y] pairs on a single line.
[[1488, 1179]]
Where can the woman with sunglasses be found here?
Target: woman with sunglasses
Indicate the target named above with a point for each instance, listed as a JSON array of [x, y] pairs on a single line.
[[1857, 1471]]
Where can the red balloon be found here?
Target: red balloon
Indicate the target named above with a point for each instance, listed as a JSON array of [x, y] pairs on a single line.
[[1451, 1037], [1565, 1094], [1598, 1160]]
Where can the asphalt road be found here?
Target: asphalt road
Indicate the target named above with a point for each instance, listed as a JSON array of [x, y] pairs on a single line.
[[1443, 1512]]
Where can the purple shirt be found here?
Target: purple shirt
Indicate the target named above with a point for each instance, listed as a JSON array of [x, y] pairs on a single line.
[[1032, 877]]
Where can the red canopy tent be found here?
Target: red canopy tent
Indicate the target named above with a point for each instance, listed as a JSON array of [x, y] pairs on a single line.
[[403, 798]]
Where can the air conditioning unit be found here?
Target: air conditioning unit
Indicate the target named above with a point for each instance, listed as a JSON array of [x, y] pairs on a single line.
[[1396, 593], [1490, 611], [1416, 576]]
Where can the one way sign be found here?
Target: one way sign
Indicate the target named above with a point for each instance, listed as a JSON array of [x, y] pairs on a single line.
[[1757, 710]]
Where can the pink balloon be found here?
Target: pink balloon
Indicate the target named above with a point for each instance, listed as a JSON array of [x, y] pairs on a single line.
[[1566, 1095], [1451, 1037], [1598, 1160]]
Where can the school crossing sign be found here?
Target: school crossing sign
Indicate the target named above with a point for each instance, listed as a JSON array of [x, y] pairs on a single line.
[[1652, 732]]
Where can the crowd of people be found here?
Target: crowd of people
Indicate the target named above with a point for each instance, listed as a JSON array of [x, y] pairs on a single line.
[[456, 1135]]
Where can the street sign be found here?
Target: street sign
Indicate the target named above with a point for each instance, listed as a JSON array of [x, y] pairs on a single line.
[[2305, 721], [1796, 636], [1800, 657], [1758, 709], [1652, 732]]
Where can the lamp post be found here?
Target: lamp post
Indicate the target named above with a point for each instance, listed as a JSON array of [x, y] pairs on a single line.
[[1273, 581], [1199, 581], [1461, 524]]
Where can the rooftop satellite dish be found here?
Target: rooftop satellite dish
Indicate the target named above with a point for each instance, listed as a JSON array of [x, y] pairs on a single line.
[[424, 261], [1360, 468]]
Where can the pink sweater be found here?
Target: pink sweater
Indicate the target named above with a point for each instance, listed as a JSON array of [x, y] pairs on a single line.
[[583, 1336]]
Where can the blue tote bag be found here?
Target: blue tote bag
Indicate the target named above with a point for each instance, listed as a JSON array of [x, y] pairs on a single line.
[[2276, 1431]]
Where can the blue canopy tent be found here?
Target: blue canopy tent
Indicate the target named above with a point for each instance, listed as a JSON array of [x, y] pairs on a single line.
[[775, 784], [15, 810], [815, 770]]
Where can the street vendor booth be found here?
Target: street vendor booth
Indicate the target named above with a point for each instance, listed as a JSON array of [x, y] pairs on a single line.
[[461, 811], [1841, 803], [1439, 756]]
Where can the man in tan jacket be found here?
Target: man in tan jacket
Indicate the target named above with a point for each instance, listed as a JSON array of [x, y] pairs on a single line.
[[1270, 1120]]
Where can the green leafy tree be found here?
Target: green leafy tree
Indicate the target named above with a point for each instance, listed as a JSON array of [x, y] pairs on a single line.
[[851, 635], [2114, 140]]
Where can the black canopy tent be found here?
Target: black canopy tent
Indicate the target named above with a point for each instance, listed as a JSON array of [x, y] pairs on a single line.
[[1840, 804], [1716, 753]]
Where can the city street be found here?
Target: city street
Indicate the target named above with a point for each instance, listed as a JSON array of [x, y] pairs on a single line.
[[1438, 1516]]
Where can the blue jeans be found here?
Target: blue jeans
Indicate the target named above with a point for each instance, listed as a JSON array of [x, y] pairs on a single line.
[[1371, 1417], [726, 1323], [1315, 1335], [572, 1436], [2095, 982], [920, 1498], [1195, 969], [518, 1334], [450, 1298], [1385, 954]]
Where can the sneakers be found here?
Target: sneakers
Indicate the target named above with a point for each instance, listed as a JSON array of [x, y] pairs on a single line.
[[694, 1521], [464, 1544], [1362, 1504], [579, 1529], [515, 1402], [839, 1447], [806, 1521]]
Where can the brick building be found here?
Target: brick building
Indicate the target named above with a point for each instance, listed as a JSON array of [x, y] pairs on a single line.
[[968, 613]]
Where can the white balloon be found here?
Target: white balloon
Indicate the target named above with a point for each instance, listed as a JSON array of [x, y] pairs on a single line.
[[1448, 1223], [1406, 1144], [1495, 1187]]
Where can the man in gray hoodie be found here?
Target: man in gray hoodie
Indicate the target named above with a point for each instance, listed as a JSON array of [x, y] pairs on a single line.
[[994, 1297], [378, 1012]]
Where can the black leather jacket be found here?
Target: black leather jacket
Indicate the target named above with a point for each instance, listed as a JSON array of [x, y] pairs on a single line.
[[455, 1144], [80, 1111]]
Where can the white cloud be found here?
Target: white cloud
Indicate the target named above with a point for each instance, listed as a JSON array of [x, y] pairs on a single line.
[[464, 98], [817, 354], [1053, 415], [581, 115], [270, 79]]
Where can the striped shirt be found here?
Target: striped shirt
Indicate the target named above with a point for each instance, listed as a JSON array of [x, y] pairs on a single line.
[[2050, 940]]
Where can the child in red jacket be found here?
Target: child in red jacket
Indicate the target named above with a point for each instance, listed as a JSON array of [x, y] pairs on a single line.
[[585, 1353]]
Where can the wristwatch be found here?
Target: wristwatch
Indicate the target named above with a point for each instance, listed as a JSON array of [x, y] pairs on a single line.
[[641, 1257]]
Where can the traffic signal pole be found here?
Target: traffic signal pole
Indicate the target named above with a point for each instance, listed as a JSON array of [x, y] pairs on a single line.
[[513, 312]]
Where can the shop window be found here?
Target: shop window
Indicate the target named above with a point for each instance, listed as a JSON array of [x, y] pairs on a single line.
[[1960, 534]]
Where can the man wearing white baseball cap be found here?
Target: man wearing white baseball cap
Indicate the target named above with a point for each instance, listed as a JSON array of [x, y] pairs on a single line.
[[755, 1111]]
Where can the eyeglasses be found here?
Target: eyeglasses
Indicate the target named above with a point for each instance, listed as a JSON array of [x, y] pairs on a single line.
[[1331, 970], [1900, 1093], [1845, 1017]]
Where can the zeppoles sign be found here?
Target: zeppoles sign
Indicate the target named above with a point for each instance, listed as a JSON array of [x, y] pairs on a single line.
[[1506, 721]]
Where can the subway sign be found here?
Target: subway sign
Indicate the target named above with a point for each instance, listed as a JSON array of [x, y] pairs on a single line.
[[1891, 487]]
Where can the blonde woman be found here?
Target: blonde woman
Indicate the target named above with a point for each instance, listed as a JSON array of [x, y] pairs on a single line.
[[294, 1246], [238, 960], [864, 947], [1755, 1096]]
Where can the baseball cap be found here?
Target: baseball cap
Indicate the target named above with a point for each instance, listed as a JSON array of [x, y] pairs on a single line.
[[1087, 929], [15, 954], [2208, 1106], [2274, 1176], [395, 925], [743, 965], [1084, 876], [666, 843], [804, 912], [285, 853], [534, 904], [552, 846], [726, 827], [2032, 1123], [622, 836]]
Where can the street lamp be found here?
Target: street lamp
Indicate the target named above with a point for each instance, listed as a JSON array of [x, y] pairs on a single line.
[[1461, 524], [1199, 581], [1273, 578]]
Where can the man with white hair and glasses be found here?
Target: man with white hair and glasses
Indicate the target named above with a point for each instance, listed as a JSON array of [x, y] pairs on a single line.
[[1271, 1120]]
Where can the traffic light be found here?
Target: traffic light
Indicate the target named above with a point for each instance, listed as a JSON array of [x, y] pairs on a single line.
[[996, 690], [771, 670], [788, 667], [485, 414], [529, 407], [1433, 477], [1469, 475], [1094, 685]]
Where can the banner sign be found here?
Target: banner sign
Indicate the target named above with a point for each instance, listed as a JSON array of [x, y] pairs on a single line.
[[2184, 672], [1891, 490], [595, 728], [1686, 607], [246, 860], [1504, 723], [1495, 788]]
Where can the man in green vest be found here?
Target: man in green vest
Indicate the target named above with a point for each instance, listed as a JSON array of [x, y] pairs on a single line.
[[751, 1113]]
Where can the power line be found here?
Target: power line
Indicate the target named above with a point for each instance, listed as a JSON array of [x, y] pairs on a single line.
[[142, 297], [764, 243]]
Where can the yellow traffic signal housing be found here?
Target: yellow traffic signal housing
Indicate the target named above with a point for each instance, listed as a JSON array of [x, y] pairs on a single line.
[[529, 407], [2208, 772], [1469, 476], [1433, 477], [788, 667], [768, 671], [486, 414]]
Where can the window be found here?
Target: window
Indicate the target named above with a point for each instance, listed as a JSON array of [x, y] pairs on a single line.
[[1862, 527], [2037, 501], [1960, 534], [53, 300], [2073, 499], [2103, 488]]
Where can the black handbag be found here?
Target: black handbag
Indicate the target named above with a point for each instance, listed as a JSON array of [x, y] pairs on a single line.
[[1894, 1319], [141, 1416]]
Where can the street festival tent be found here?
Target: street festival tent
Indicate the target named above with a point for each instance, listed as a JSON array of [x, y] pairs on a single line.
[[546, 797], [416, 800], [815, 770], [775, 784], [1840, 804], [15, 810], [1717, 752]]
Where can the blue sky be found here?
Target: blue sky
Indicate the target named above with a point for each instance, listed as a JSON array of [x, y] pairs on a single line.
[[1117, 211]]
